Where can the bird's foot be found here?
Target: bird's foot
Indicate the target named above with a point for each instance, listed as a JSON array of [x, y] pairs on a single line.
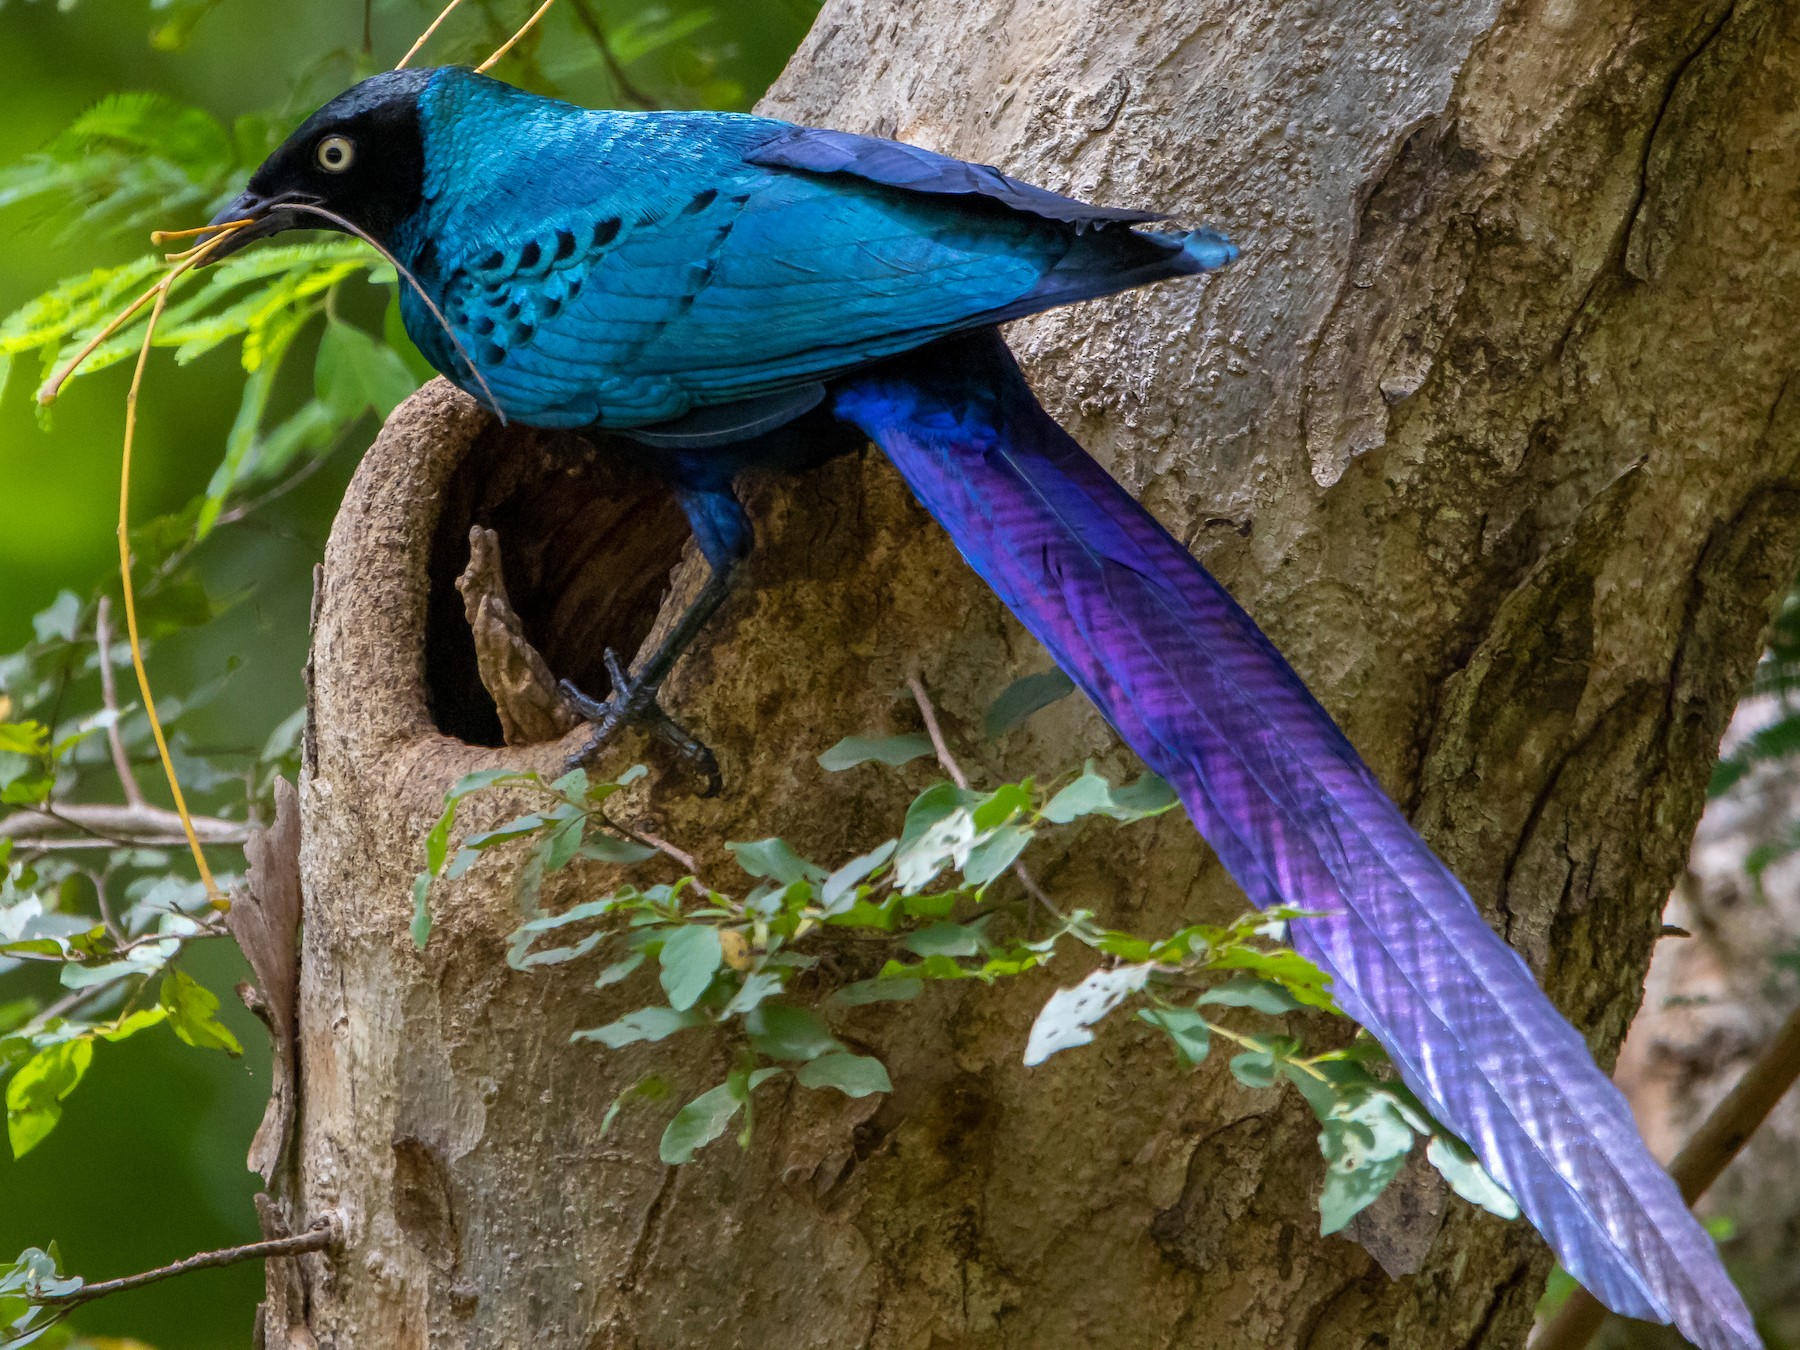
[[633, 703]]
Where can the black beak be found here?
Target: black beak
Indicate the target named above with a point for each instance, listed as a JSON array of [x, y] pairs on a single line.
[[268, 216]]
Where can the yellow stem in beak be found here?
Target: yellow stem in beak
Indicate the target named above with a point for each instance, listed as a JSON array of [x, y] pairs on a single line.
[[168, 236]]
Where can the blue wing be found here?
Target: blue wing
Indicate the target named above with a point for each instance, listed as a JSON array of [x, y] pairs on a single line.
[[623, 269]]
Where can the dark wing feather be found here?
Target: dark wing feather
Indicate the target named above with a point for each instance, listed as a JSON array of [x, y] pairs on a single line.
[[912, 168]]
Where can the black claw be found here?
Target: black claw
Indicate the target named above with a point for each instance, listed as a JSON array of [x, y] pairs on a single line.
[[593, 709], [615, 671], [633, 703]]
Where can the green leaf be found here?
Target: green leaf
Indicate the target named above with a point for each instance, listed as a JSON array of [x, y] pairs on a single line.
[[646, 1024], [1467, 1177], [852, 1075], [1246, 991], [1186, 1029], [1292, 971], [1064, 1020], [420, 927], [356, 374], [881, 989], [564, 841], [946, 939], [192, 1010], [895, 750], [516, 828], [437, 841], [1004, 803], [690, 957], [619, 971], [24, 738], [757, 986], [996, 854], [36, 1092], [698, 1123], [781, 1031], [773, 858], [1350, 1188], [650, 1088], [1254, 1068], [931, 808], [839, 891], [1092, 795], [520, 959], [605, 848], [938, 827], [132, 1023], [1023, 697]]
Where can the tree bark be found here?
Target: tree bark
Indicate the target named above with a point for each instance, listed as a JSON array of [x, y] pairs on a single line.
[[1491, 428]]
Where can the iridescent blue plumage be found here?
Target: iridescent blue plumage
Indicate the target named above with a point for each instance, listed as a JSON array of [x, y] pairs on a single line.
[[621, 269], [699, 281]]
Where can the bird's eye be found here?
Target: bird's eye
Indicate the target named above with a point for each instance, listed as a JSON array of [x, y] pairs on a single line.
[[335, 153]]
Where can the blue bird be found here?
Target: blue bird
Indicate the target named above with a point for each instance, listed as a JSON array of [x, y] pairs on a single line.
[[729, 290]]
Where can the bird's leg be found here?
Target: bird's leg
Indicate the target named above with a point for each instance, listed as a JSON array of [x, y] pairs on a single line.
[[633, 698], [723, 533]]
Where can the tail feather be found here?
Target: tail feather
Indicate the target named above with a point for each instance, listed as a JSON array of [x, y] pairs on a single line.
[[1195, 688]]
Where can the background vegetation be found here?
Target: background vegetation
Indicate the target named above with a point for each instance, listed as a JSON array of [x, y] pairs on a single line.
[[147, 1163]]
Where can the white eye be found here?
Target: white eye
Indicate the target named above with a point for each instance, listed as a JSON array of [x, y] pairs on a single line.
[[335, 153]]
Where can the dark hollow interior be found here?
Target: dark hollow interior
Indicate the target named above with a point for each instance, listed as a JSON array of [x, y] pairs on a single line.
[[587, 543]]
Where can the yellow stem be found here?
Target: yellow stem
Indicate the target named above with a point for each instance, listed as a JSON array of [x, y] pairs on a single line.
[[425, 37], [131, 623], [165, 236], [507, 46], [49, 392], [161, 293]]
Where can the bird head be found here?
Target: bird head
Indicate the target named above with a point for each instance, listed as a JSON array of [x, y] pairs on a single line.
[[360, 158]]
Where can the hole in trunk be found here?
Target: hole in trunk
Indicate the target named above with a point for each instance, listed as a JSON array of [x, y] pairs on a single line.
[[587, 544]]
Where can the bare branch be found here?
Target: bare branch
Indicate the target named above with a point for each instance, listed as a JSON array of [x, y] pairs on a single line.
[[106, 826], [938, 745], [322, 1234], [649, 840]]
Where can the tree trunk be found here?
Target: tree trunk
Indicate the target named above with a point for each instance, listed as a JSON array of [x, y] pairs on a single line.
[[1490, 430]]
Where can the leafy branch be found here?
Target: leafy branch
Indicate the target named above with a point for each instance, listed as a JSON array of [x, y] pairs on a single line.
[[770, 966], [35, 1295]]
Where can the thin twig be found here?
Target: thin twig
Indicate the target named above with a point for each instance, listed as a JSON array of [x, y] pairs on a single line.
[[585, 15], [109, 696], [425, 37], [508, 45], [947, 761], [1037, 892], [938, 745], [649, 840], [281, 489], [116, 826], [322, 1234], [351, 227], [1705, 1155]]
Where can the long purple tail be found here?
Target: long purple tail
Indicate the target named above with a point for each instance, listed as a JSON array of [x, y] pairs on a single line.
[[1195, 688]]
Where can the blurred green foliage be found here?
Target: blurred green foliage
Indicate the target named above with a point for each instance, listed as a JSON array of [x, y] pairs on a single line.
[[125, 116]]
